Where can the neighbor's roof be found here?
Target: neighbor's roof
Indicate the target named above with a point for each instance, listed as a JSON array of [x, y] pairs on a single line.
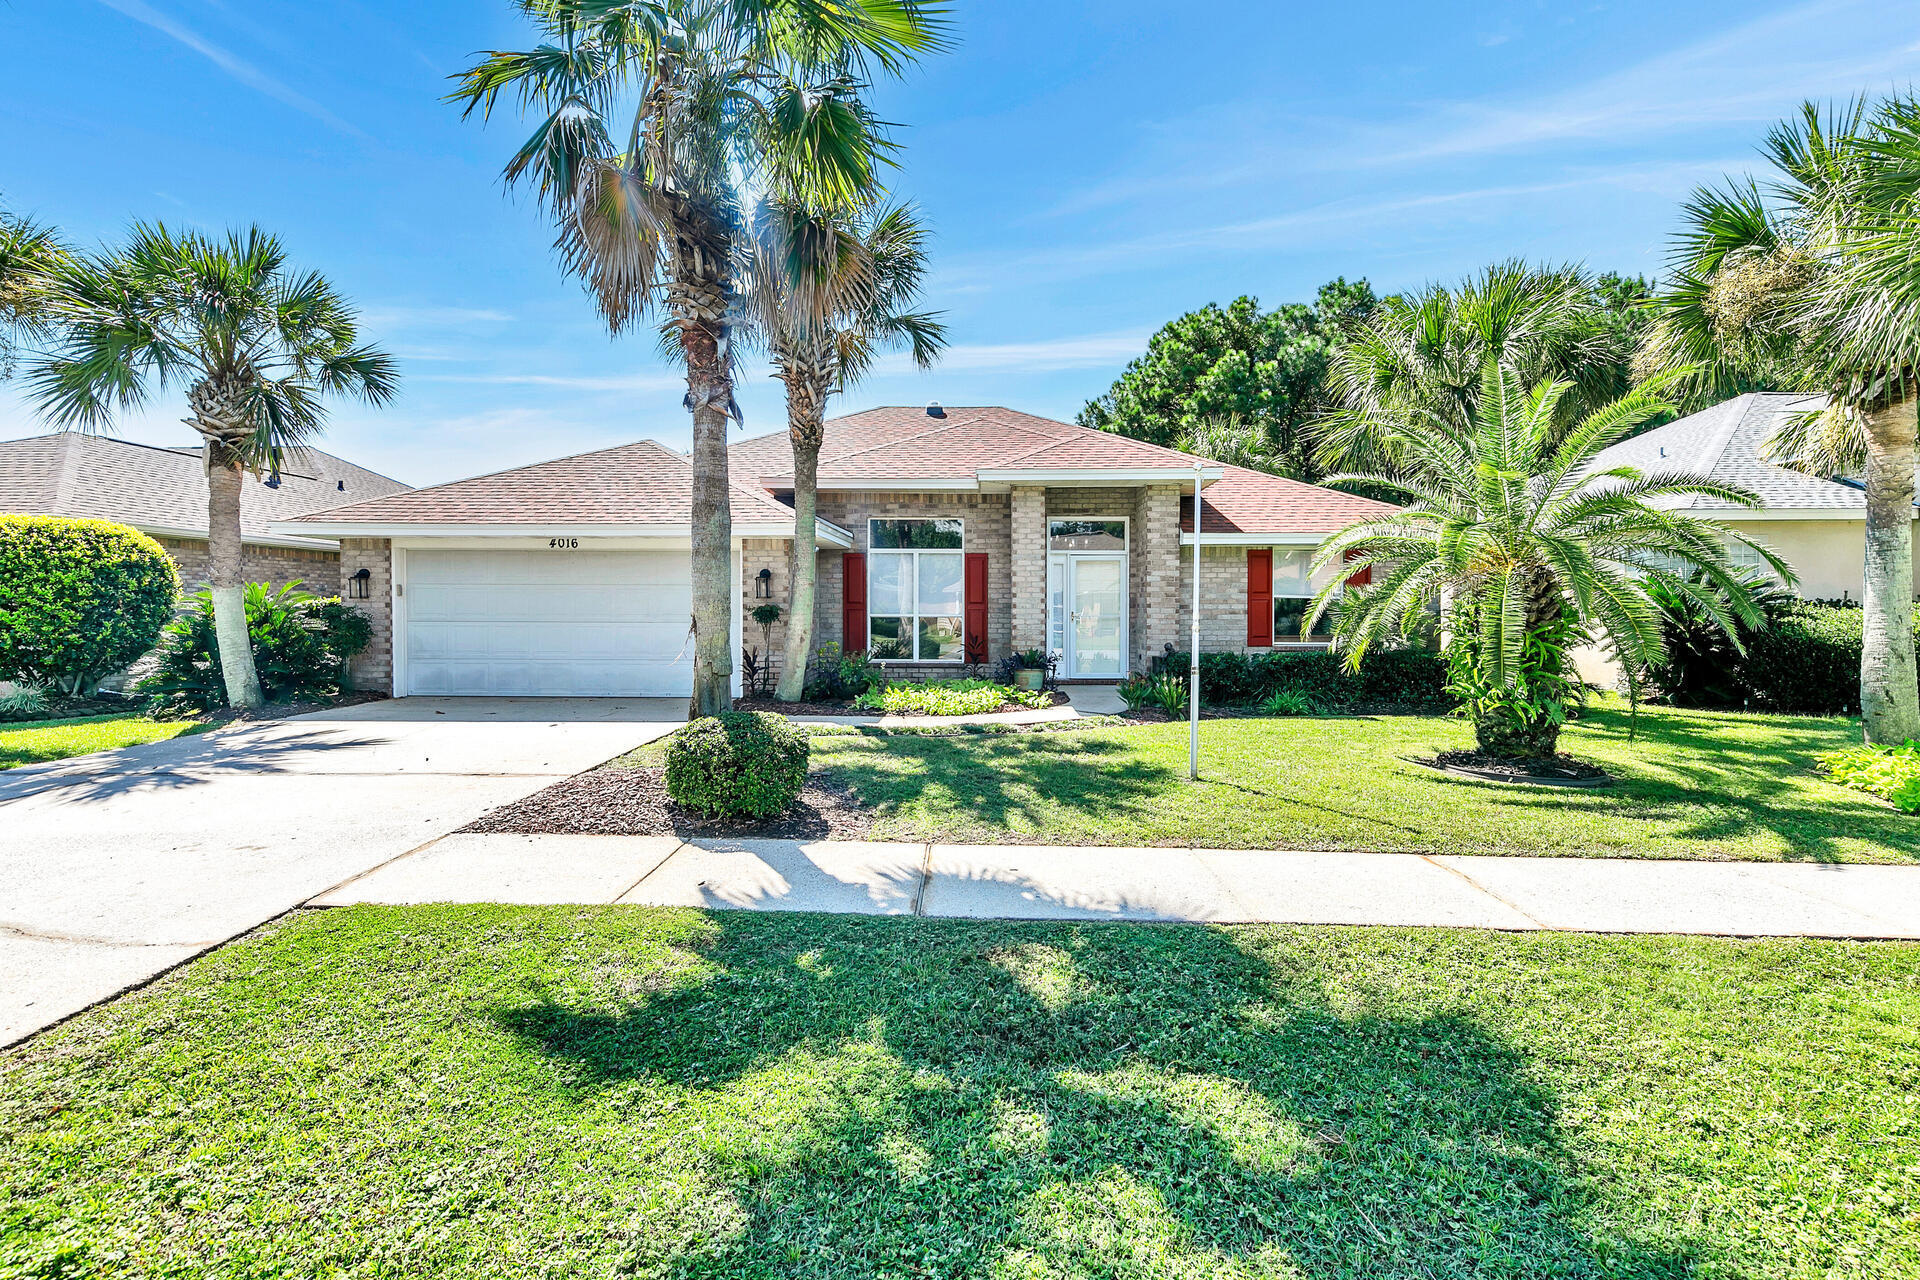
[[164, 490], [643, 483], [1724, 443], [900, 444], [1247, 502]]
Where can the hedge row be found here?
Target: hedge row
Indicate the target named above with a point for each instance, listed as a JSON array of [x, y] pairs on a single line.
[[1415, 679], [1807, 661]]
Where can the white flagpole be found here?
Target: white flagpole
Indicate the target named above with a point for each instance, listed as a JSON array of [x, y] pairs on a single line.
[[1193, 642]]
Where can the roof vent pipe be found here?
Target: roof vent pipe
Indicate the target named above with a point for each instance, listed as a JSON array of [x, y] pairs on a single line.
[[934, 410]]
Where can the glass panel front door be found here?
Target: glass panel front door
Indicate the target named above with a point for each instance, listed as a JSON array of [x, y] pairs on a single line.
[[1098, 622]]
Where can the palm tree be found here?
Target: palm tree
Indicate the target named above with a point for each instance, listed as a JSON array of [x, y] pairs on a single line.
[[254, 343], [1424, 352], [1534, 551], [29, 253], [1812, 283], [830, 295], [727, 97]]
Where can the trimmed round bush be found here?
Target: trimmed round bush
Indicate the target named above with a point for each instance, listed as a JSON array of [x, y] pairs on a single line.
[[738, 764], [79, 599]]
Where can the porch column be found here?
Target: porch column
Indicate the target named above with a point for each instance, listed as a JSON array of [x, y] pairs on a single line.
[[1029, 567], [1157, 543]]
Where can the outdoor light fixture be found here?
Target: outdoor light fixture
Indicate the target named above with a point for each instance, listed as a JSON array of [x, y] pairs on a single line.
[[273, 479], [359, 583], [763, 585]]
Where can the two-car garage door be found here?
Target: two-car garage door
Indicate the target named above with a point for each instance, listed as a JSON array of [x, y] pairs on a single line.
[[548, 623]]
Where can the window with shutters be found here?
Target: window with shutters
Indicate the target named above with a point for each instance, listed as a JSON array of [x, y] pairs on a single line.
[[916, 572], [1293, 594]]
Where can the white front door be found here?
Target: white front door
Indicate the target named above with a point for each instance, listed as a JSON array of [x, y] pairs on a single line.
[[1094, 629], [539, 624]]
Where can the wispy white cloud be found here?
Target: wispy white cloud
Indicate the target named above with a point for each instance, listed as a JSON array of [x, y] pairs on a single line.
[[240, 69], [568, 382], [1086, 351], [432, 317]]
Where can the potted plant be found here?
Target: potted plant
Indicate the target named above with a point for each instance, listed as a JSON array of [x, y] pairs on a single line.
[[1030, 670]]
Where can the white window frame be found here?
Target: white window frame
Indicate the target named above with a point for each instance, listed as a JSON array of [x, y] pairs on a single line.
[[1293, 640], [912, 617]]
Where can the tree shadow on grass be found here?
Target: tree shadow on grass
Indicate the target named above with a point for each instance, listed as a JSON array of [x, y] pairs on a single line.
[[887, 1098]]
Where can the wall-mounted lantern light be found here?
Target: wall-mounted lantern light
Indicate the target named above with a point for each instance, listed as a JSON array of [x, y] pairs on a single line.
[[359, 584], [763, 585], [273, 478]]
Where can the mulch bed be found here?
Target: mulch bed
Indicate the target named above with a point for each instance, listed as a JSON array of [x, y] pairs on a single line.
[[1552, 771], [281, 710], [634, 802]]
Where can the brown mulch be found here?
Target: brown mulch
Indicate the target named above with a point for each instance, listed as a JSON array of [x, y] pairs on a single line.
[[1550, 769], [634, 802], [281, 710]]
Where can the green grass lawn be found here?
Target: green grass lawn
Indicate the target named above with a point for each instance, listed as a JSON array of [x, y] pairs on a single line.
[[40, 740], [497, 1091], [1692, 785]]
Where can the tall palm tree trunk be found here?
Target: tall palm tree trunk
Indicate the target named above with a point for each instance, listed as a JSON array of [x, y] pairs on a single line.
[[224, 579], [1889, 698], [710, 396], [806, 408]]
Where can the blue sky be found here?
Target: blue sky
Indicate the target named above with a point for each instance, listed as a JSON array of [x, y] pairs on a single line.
[[1091, 169]]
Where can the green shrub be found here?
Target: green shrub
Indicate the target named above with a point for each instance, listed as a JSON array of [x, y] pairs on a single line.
[[738, 764], [28, 702], [79, 599], [1289, 702], [1892, 773], [833, 674], [1161, 691], [1806, 661], [1415, 679], [946, 697], [301, 644]]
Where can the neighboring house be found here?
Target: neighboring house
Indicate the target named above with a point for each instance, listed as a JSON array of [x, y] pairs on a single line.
[[1816, 525], [947, 537], [162, 492]]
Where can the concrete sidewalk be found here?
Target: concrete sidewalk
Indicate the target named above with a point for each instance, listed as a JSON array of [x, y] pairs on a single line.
[[1089, 883]]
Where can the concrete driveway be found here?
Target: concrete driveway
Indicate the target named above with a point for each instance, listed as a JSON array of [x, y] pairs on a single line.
[[116, 866]]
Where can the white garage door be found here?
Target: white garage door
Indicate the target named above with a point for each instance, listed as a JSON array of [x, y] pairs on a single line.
[[549, 623]]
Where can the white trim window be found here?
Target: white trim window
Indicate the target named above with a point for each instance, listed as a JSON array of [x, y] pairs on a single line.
[[1293, 593], [916, 603]]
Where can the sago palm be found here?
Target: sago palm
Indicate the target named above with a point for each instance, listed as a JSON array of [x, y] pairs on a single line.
[[830, 294], [1423, 353], [257, 347], [1813, 283], [659, 121], [1533, 552]]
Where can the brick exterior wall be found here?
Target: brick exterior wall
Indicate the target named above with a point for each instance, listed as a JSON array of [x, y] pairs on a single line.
[[985, 526], [1027, 620], [1156, 583], [775, 554], [372, 668], [1223, 599], [319, 571]]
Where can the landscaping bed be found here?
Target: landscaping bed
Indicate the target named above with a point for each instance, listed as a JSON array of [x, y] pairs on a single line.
[[633, 801], [1554, 771], [457, 1091], [913, 699]]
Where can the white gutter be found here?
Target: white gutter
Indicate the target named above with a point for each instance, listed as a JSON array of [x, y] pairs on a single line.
[[829, 534], [318, 543], [1259, 539]]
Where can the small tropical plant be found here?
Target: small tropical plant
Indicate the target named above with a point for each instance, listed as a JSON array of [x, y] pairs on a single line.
[[833, 674], [1538, 552], [26, 702], [946, 698], [300, 646], [1289, 702], [761, 676], [1159, 692], [1701, 667], [1892, 773]]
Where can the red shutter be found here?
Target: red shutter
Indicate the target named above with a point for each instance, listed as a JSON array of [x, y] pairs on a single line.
[[853, 602], [1362, 578], [976, 619], [1260, 597]]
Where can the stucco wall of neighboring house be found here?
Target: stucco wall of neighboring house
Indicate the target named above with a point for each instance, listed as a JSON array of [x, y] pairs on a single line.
[[372, 668], [318, 571], [986, 526], [1828, 555]]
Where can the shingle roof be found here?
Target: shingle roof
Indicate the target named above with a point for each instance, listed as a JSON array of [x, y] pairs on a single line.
[[900, 442], [643, 483], [164, 490], [1724, 443], [1252, 502]]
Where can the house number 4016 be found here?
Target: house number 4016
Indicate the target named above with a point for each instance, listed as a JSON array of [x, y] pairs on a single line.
[[563, 544]]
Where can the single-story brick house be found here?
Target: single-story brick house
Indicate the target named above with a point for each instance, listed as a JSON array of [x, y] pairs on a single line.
[[162, 492], [946, 537]]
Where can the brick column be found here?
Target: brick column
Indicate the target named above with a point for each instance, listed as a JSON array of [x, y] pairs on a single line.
[[1157, 542], [1029, 567], [372, 667]]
